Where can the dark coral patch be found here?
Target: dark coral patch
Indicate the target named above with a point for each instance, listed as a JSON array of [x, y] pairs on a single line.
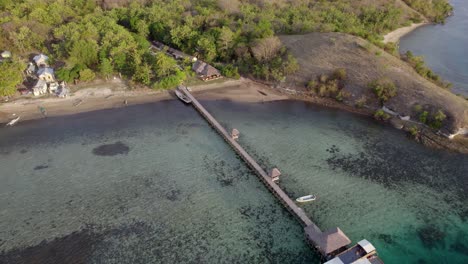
[[41, 167], [117, 148], [431, 236]]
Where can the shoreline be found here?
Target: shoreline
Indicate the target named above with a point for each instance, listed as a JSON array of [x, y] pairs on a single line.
[[100, 96], [397, 34], [242, 90]]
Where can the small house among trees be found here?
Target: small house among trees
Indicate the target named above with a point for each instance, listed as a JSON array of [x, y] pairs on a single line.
[[41, 60], [205, 71]]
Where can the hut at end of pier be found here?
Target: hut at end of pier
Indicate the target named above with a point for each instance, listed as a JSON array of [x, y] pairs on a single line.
[[328, 243]]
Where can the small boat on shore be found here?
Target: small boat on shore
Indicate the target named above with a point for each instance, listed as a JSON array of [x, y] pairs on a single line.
[[182, 97], [13, 121], [307, 198]]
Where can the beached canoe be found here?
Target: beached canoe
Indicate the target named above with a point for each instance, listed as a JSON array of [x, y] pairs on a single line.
[[307, 198], [13, 121], [182, 97]]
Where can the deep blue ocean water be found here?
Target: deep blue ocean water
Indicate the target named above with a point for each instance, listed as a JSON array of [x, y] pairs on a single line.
[[444, 47]]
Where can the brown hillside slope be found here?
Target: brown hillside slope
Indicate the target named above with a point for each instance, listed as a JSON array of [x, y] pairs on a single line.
[[322, 53]]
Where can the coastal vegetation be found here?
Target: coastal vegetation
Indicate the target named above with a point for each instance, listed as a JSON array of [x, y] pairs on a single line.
[[417, 62], [329, 86], [80, 36], [435, 10], [431, 117]]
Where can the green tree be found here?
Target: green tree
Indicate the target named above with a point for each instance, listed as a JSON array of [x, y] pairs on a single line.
[[225, 42], [10, 76], [143, 74], [165, 65], [84, 52], [206, 48], [105, 68]]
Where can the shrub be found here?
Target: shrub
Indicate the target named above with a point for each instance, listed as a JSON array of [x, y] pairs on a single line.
[[423, 117], [361, 102], [437, 119], [381, 115], [230, 71], [170, 81], [414, 131], [87, 75], [384, 89], [323, 78], [339, 74], [312, 84], [341, 95], [418, 108]]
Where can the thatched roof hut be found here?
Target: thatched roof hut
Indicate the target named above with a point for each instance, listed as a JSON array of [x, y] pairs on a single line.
[[205, 71], [330, 242], [274, 174]]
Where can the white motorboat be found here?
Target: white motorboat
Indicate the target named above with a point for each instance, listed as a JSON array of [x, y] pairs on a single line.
[[183, 97], [307, 198], [13, 122]]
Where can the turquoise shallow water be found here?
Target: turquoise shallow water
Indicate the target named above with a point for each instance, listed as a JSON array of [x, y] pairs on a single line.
[[444, 47], [154, 183]]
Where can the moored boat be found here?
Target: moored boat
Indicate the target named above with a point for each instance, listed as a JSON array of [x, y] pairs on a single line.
[[183, 97], [307, 198], [13, 121]]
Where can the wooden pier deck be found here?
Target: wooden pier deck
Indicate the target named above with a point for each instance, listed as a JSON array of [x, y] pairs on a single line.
[[272, 186]]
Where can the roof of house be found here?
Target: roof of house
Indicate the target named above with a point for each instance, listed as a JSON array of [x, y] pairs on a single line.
[[203, 68], [40, 84], [275, 173], [328, 241], [31, 67], [42, 71], [366, 245], [40, 58]]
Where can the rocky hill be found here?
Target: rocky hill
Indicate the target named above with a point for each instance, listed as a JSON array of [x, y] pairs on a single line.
[[323, 53]]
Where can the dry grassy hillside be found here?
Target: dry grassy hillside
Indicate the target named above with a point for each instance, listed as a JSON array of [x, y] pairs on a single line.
[[322, 53]]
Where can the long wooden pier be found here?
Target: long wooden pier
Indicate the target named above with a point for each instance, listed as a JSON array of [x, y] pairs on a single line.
[[272, 186], [329, 243]]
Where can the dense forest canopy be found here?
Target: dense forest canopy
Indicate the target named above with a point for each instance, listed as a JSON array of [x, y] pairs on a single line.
[[113, 36]]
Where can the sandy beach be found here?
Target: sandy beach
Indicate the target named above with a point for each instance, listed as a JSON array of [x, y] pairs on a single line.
[[115, 93], [395, 35]]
